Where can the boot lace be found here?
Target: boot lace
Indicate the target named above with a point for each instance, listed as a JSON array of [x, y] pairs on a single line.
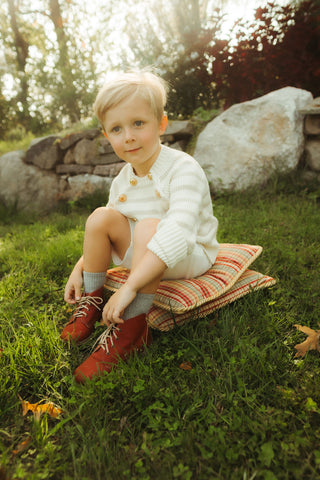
[[85, 304], [111, 333]]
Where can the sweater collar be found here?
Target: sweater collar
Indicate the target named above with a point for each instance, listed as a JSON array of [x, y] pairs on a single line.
[[162, 164], [159, 167]]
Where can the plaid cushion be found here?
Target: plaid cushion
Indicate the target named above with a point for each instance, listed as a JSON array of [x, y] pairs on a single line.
[[179, 296], [249, 281]]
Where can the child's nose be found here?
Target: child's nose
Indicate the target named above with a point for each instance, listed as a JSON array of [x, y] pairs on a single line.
[[129, 135]]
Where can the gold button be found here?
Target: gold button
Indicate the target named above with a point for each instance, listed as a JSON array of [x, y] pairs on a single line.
[[158, 194], [133, 182], [150, 176], [122, 198]]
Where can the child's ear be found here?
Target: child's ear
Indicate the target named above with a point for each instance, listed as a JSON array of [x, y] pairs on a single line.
[[163, 124]]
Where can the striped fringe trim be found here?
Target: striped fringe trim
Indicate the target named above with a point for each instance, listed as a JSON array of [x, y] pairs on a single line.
[[250, 281], [180, 296]]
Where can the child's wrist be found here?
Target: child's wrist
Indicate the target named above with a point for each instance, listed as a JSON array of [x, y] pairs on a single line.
[[130, 286]]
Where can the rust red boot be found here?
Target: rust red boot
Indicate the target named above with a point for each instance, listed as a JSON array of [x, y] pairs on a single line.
[[117, 341], [87, 313]]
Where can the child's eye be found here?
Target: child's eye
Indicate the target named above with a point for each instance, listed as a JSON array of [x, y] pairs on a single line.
[[115, 129], [138, 123]]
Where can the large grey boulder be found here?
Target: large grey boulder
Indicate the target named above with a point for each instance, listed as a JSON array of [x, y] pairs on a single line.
[[45, 153], [27, 187], [83, 185], [250, 141]]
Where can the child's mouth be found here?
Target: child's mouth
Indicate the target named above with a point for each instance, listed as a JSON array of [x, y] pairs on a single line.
[[134, 150]]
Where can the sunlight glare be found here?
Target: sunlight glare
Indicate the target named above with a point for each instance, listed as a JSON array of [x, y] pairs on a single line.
[[242, 10]]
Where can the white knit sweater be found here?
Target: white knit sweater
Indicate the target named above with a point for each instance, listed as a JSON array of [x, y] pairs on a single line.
[[176, 191]]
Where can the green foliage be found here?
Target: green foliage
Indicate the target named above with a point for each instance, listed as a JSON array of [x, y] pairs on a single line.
[[86, 203], [178, 36], [56, 81], [7, 145], [16, 134], [200, 117], [4, 113], [54, 75], [281, 49], [205, 116], [246, 409]]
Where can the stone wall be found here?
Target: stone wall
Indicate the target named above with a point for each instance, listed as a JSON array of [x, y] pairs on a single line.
[[66, 168], [312, 133], [240, 148]]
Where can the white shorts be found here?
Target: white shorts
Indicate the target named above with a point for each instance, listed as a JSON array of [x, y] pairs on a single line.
[[192, 266]]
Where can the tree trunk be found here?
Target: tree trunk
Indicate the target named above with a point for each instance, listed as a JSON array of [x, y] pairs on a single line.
[[72, 107], [22, 52]]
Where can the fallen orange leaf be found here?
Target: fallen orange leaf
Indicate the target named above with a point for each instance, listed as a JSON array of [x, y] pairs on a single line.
[[22, 446], [39, 408], [186, 366], [311, 343]]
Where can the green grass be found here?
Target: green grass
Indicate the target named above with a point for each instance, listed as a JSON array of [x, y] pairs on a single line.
[[246, 410], [13, 145]]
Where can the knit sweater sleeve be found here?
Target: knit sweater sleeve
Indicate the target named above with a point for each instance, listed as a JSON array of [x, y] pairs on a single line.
[[176, 234]]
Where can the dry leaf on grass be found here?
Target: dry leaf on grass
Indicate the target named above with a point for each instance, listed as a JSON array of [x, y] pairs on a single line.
[[39, 408], [311, 343], [22, 446], [186, 366]]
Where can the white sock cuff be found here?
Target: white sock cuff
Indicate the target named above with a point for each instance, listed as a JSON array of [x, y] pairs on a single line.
[[92, 281], [140, 304]]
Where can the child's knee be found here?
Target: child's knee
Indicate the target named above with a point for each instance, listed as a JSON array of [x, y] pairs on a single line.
[[101, 217], [95, 217], [145, 229]]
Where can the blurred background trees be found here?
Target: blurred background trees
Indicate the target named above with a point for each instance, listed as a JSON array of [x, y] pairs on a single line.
[[54, 54], [47, 62], [281, 48], [174, 36]]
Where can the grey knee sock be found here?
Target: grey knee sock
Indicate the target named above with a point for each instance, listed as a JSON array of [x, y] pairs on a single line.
[[93, 281], [140, 304]]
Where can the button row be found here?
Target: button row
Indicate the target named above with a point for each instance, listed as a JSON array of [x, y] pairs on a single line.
[[134, 181], [123, 198]]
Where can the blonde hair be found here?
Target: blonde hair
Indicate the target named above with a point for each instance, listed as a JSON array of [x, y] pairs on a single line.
[[122, 86]]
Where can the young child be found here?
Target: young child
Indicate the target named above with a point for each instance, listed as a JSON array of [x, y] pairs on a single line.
[[158, 223]]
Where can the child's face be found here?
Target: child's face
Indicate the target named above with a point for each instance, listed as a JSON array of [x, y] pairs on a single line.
[[134, 131]]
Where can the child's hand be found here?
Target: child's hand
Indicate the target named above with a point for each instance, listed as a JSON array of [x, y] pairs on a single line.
[[116, 305], [72, 291]]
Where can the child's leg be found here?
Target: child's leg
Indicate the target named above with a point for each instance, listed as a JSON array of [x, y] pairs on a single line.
[[106, 229], [120, 340], [143, 233]]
